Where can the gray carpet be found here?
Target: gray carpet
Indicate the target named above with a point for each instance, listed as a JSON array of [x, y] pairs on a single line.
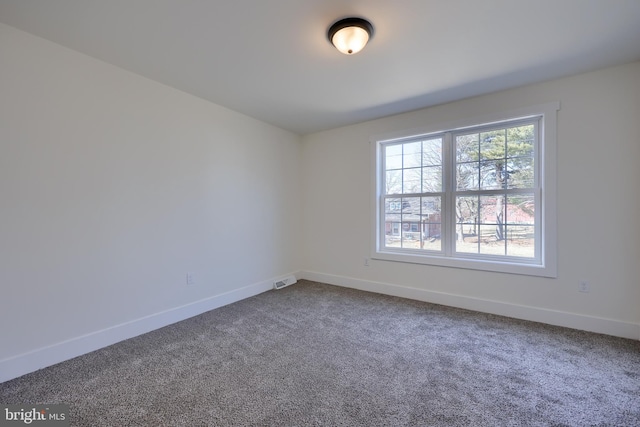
[[314, 354]]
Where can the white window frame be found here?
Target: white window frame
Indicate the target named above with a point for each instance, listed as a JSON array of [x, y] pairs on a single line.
[[546, 263]]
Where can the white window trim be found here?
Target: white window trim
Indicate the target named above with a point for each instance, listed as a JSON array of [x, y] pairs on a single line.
[[548, 177]]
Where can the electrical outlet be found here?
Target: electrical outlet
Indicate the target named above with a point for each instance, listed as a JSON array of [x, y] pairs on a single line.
[[190, 279], [583, 286]]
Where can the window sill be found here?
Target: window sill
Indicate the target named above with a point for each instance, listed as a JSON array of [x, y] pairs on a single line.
[[527, 269]]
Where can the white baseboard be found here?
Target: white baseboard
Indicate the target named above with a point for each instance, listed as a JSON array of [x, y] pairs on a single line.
[[552, 317], [22, 364]]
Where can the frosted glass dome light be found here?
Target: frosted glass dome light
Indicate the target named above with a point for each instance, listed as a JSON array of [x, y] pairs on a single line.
[[350, 35]]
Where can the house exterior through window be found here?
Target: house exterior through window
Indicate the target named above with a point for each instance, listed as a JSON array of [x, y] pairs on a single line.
[[480, 195]]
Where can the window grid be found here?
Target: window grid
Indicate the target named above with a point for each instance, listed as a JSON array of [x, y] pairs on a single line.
[[493, 182], [419, 217]]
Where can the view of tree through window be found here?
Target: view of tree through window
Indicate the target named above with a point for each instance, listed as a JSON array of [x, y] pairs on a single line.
[[488, 203], [494, 194]]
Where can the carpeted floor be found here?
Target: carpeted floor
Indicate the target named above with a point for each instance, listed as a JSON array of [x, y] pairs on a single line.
[[314, 354]]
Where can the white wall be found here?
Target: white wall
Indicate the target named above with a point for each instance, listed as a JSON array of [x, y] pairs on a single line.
[[598, 209], [112, 188]]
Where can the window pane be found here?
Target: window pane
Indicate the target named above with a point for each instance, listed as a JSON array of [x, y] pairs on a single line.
[[392, 234], [467, 209], [520, 228], [466, 224], [413, 223], [410, 219], [392, 219], [493, 175], [492, 145], [411, 180], [411, 209], [496, 225], [521, 209], [393, 182], [520, 141], [393, 157], [520, 150], [492, 211], [431, 223], [393, 206], [480, 224], [468, 245], [467, 176], [432, 152], [467, 147], [521, 241], [410, 239], [488, 244], [520, 172], [412, 155], [432, 179]]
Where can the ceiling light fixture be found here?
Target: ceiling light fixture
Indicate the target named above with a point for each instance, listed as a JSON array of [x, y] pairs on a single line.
[[350, 35]]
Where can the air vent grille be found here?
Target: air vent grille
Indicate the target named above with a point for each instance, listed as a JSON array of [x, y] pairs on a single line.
[[282, 283]]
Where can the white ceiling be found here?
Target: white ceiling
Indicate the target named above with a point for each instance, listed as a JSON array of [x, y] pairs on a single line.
[[270, 59]]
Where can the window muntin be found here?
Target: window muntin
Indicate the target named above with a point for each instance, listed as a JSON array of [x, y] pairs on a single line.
[[491, 174], [413, 194], [495, 191]]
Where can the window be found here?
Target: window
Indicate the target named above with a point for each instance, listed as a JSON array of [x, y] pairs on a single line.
[[476, 194]]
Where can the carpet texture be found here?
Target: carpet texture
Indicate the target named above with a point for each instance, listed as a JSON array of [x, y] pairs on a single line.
[[314, 354]]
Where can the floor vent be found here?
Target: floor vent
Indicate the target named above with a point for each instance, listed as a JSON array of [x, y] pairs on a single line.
[[287, 281]]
